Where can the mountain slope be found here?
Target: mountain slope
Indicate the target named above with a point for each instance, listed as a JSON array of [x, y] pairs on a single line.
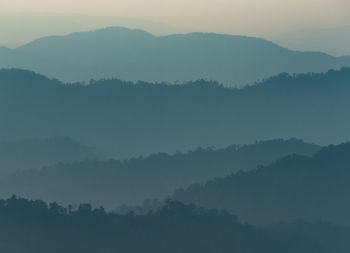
[[113, 183], [333, 41], [296, 187], [136, 55], [125, 120], [36, 153]]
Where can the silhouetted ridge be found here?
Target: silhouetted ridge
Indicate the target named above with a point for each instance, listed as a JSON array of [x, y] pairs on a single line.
[[125, 119], [37, 153], [34, 226], [295, 187], [19, 77], [334, 153], [136, 55], [112, 183], [105, 36], [332, 80]]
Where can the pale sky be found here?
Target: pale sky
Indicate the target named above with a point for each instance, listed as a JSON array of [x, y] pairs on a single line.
[[227, 16]]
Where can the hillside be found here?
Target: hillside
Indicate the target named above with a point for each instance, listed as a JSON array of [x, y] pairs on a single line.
[[296, 187], [113, 183], [35, 227], [135, 55], [37, 153], [124, 120]]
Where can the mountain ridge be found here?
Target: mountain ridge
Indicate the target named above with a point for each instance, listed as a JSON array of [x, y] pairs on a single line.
[[115, 182], [24, 154], [135, 55], [295, 187], [196, 114], [33, 226]]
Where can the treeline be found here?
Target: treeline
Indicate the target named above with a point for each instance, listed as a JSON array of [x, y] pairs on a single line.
[[34, 226], [112, 182]]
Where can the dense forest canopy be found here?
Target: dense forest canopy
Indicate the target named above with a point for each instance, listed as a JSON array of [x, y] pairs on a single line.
[[34, 226]]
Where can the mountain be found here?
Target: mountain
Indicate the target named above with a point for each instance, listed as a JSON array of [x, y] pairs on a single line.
[[123, 119], [4, 49], [112, 183], [137, 55], [296, 187], [19, 28], [5, 52], [34, 226], [334, 41], [36, 153]]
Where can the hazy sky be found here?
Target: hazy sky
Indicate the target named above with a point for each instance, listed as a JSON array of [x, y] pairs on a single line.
[[233, 16]]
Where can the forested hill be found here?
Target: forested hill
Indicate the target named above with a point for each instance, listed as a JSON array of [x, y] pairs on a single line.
[[137, 55], [35, 227], [124, 119], [113, 183], [296, 187]]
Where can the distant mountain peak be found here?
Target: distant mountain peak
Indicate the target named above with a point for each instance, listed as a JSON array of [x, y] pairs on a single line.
[[129, 54]]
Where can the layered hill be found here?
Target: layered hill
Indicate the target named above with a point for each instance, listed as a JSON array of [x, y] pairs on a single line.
[[113, 183], [296, 187], [125, 119], [134, 55], [36, 227], [37, 153]]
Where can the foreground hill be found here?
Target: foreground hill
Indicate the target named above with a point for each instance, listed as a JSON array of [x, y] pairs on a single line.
[[36, 153], [296, 187], [113, 183], [35, 227], [136, 55], [125, 120]]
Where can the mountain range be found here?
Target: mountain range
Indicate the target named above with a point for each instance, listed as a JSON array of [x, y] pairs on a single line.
[[135, 55], [119, 140], [19, 28], [113, 183], [124, 120]]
